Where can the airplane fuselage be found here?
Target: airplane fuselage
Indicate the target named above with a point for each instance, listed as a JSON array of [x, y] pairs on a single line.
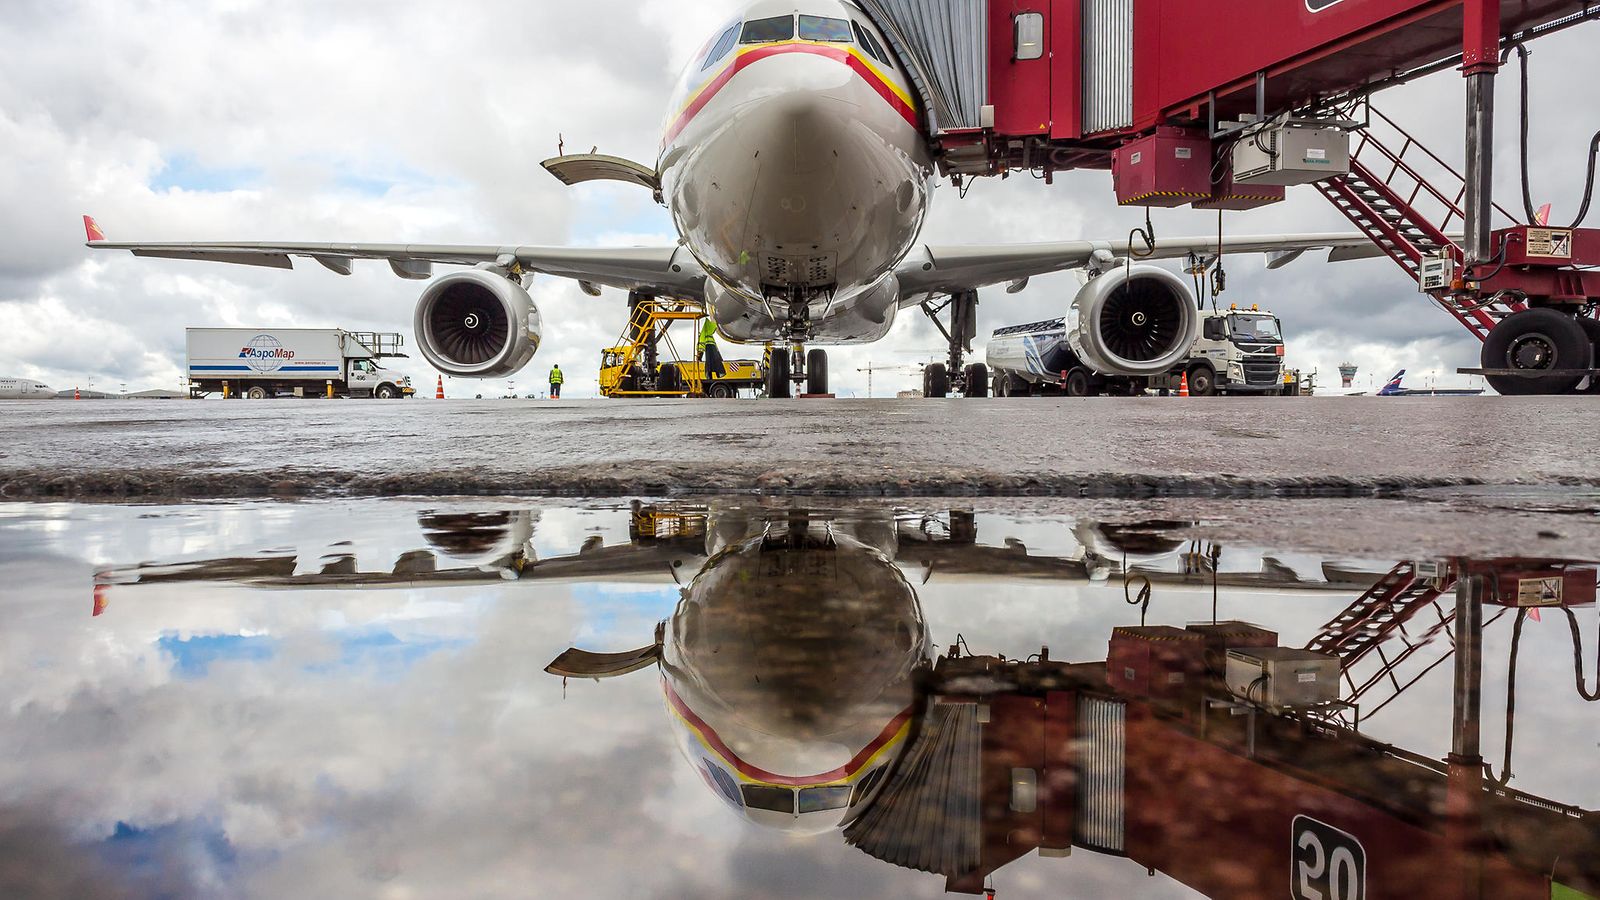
[[24, 389], [796, 171]]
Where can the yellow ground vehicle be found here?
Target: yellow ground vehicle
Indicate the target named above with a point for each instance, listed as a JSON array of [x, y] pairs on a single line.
[[634, 368]]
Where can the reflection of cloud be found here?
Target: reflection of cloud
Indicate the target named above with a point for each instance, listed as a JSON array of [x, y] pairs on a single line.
[[351, 762]]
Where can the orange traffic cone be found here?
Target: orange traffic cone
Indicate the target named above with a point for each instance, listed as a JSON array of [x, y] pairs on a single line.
[[75, 393], [1183, 386], [439, 394]]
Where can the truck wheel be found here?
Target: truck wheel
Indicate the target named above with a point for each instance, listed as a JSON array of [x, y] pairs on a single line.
[[1202, 381], [257, 393], [1537, 339], [778, 376], [1591, 327], [386, 392], [936, 381], [719, 391], [977, 380], [817, 371], [1077, 384]]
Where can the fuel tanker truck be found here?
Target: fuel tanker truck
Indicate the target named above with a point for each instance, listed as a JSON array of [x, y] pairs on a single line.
[[1235, 351]]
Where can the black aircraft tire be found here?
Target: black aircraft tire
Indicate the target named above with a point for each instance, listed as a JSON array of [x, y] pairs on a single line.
[[1078, 383], [936, 381], [817, 372], [778, 376], [1202, 381], [977, 380], [1536, 339], [1591, 327]]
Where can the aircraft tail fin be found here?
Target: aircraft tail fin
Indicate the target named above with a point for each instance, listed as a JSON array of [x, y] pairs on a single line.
[[1393, 387], [92, 230]]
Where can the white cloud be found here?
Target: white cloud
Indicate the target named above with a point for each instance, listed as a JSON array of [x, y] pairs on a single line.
[[371, 121]]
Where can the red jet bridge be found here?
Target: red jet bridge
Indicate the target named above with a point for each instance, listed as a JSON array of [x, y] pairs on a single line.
[[1221, 104]]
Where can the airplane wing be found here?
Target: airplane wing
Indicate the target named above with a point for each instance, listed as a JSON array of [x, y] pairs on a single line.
[[661, 270], [947, 269]]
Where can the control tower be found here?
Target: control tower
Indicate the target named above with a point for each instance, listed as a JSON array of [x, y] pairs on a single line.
[[1347, 374]]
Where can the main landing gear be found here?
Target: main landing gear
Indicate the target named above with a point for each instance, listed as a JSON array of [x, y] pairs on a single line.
[[1543, 351], [951, 376]]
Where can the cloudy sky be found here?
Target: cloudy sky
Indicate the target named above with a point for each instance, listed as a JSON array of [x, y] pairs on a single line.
[[398, 121]]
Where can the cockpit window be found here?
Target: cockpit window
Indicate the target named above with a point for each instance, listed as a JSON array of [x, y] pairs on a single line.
[[823, 28], [723, 781], [721, 47], [766, 31], [864, 786], [866, 40], [817, 799], [762, 796]]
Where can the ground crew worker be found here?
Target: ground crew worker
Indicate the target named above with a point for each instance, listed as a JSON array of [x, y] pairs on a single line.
[[708, 352], [555, 382]]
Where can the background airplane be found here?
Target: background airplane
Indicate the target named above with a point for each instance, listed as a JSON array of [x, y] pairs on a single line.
[[1395, 389], [796, 167], [25, 389]]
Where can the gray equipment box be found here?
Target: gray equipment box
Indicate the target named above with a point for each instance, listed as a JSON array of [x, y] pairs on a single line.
[[1282, 677], [1291, 154]]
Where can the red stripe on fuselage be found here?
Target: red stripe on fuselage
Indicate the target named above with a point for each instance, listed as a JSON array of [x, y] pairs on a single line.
[[837, 54], [847, 770]]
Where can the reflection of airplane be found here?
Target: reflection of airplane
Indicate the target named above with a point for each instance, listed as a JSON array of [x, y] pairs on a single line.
[[1394, 389], [797, 681], [25, 389], [796, 168]]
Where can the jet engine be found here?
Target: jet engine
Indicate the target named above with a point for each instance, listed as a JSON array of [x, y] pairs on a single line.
[[1133, 320], [477, 324]]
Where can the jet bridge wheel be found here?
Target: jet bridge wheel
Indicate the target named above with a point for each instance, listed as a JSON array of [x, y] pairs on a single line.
[[1535, 339], [1591, 327]]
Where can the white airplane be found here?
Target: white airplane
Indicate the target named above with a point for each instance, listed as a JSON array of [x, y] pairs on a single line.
[[25, 389], [797, 171]]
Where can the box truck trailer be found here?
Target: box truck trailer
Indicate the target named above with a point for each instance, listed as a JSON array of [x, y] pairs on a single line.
[[1237, 351], [260, 363]]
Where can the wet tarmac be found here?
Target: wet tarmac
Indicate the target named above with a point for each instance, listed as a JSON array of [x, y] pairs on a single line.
[[741, 697], [1102, 447]]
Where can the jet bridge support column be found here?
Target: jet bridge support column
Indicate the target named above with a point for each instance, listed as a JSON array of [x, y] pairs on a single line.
[[1464, 795], [1479, 62]]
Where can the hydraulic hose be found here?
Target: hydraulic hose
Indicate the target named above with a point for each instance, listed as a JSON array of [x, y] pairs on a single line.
[[1594, 148]]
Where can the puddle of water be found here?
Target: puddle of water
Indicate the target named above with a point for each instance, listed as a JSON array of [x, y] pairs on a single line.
[[401, 699]]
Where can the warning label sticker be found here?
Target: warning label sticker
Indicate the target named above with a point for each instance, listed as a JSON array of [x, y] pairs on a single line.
[[1550, 242], [1539, 591]]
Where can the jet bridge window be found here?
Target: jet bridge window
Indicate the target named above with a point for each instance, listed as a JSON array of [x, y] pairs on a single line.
[[870, 44], [767, 31], [762, 796], [823, 28], [721, 47]]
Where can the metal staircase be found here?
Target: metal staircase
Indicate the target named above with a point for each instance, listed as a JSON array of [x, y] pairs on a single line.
[[1408, 215], [1380, 616]]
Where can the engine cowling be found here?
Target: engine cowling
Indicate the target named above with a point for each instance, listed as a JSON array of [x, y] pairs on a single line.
[[1133, 320], [477, 324]]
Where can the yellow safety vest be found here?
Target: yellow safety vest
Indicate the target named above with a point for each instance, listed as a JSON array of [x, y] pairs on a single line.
[[555, 376]]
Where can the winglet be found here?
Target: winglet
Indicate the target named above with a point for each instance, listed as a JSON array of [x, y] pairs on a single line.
[[92, 230]]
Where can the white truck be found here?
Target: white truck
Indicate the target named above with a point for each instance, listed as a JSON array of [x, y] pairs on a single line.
[[1238, 351], [259, 363]]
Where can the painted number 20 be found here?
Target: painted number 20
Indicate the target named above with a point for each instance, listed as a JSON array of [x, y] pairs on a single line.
[[1328, 863]]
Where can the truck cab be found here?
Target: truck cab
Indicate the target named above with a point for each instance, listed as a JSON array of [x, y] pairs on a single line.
[[1239, 351]]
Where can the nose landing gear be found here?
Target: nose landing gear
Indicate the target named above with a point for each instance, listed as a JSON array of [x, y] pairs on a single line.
[[797, 369]]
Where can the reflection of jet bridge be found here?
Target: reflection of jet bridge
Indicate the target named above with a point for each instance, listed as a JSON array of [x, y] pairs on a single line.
[[1383, 621]]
